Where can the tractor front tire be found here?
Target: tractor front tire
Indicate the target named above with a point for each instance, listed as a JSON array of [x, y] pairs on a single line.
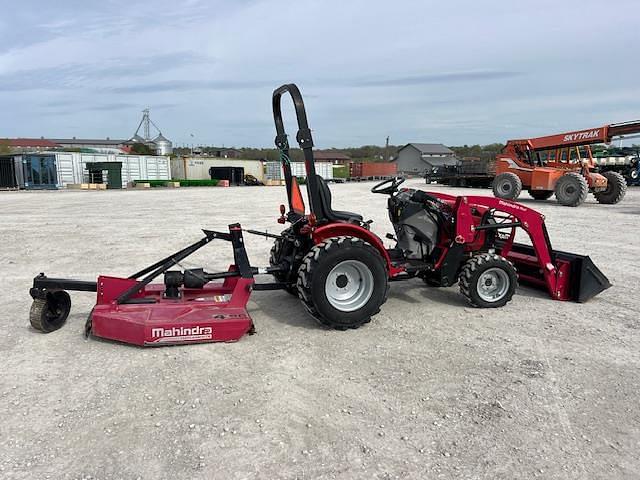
[[616, 189], [343, 282], [50, 313], [488, 280], [571, 189], [541, 194], [507, 185]]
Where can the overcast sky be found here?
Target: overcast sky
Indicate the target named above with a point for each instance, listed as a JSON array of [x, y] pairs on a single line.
[[454, 72]]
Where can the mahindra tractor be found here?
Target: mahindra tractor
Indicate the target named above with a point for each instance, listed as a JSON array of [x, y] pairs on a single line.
[[330, 259], [561, 165]]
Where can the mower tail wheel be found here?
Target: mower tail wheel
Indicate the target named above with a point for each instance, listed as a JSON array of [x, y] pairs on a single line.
[[616, 189], [571, 189], [541, 194], [507, 185], [343, 282], [488, 280], [50, 313]]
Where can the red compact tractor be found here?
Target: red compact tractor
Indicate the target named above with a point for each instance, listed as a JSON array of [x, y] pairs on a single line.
[[561, 164], [331, 260]]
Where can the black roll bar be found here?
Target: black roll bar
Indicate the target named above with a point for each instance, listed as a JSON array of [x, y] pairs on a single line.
[[305, 141]]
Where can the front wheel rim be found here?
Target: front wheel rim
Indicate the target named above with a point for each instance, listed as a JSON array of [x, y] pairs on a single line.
[[493, 285], [349, 286]]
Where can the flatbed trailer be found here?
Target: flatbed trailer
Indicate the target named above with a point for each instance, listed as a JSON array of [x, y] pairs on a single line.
[[468, 180], [468, 172]]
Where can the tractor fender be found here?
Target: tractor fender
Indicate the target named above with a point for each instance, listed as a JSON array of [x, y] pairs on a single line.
[[330, 230]]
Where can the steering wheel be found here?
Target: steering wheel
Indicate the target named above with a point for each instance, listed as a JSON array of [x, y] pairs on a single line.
[[389, 186]]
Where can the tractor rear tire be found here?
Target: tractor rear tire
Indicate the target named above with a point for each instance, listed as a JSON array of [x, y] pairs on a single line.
[[507, 185], [571, 189], [50, 313], [488, 280], [541, 194], [616, 189], [275, 259], [343, 282]]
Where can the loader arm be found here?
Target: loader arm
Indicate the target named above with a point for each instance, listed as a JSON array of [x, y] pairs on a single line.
[[566, 276]]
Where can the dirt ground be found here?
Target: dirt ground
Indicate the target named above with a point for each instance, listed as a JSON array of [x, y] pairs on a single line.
[[430, 389]]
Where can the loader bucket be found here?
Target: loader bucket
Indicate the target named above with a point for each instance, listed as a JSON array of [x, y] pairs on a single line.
[[585, 279], [578, 278]]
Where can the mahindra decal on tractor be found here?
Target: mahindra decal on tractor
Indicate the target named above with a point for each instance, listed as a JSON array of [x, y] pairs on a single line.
[[331, 260], [563, 165]]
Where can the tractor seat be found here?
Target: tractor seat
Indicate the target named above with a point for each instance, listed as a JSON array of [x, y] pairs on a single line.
[[333, 215]]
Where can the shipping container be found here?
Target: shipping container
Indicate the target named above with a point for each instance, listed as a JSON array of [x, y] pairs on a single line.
[[72, 167], [323, 169], [372, 169], [197, 168]]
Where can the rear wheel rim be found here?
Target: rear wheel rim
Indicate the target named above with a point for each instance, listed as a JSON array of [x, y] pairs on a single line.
[[349, 286], [493, 285], [505, 187]]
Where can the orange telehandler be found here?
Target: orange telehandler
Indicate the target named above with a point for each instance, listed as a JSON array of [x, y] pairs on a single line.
[[562, 165]]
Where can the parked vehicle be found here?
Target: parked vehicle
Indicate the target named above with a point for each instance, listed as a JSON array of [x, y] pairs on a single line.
[[561, 164], [625, 161], [468, 172]]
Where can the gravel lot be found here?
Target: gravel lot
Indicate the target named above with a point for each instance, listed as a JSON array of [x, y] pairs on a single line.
[[430, 389]]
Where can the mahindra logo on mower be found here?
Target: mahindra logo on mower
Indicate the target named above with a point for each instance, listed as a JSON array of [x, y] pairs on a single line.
[[572, 137], [180, 334]]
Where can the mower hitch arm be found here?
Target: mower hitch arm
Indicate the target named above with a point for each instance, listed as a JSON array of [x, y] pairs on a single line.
[[210, 234], [239, 253]]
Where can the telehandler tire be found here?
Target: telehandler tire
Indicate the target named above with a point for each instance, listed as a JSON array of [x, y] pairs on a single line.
[[507, 185], [616, 189], [571, 189]]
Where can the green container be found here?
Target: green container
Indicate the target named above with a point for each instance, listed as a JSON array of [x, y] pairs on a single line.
[[113, 172]]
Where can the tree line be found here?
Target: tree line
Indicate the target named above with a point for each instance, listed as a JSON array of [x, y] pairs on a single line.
[[365, 153]]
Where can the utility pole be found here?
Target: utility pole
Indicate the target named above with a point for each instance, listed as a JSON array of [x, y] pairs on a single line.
[[386, 150]]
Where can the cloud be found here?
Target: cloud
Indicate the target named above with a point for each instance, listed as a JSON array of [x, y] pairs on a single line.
[[188, 85], [90, 76], [415, 70], [436, 78]]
